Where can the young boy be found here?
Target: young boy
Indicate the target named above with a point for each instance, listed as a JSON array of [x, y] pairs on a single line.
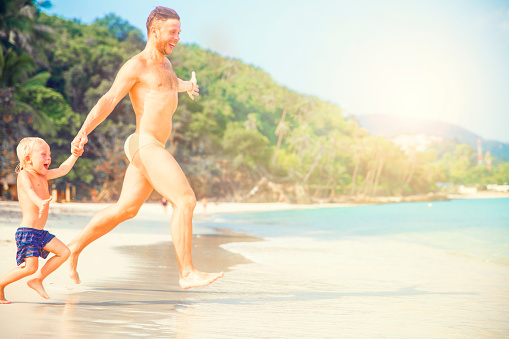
[[33, 193]]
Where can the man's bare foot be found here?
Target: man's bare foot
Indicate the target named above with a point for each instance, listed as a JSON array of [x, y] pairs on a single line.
[[75, 277], [73, 264], [36, 284], [199, 279], [2, 298]]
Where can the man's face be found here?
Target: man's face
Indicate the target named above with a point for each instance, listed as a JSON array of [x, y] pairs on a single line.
[[167, 35]]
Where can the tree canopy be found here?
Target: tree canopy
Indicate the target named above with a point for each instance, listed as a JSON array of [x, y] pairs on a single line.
[[242, 127]]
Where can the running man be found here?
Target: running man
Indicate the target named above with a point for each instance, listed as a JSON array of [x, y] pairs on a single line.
[[153, 88]]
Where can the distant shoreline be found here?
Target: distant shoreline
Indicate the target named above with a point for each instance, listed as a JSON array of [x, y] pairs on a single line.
[[424, 197], [220, 207], [480, 195]]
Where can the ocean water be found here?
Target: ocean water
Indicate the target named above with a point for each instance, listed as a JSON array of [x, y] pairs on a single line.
[[404, 270], [472, 227]]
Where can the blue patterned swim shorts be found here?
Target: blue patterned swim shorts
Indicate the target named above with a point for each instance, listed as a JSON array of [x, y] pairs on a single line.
[[30, 242]]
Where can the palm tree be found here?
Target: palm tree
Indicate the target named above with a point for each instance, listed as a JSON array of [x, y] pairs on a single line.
[[13, 70], [252, 124], [356, 149], [20, 35], [319, 156], [14, 67], [19, 29], [378, 172], [281, 130]]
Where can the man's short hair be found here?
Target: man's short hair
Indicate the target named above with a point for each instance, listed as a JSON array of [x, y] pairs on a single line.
[[160, 14]]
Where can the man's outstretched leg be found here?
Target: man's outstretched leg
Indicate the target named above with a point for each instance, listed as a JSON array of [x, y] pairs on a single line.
[[135, 190], [166, 176]]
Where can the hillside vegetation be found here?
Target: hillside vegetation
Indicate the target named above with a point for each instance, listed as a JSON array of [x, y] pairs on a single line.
[[245, 138]]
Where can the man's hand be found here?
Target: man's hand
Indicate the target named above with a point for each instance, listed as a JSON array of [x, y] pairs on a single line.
[[77, 152], [79, 142], [194, 87], [44, 206]]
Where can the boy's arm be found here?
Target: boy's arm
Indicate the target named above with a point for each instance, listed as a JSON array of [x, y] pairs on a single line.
[[126, 78], [190, 86], [64, 168]]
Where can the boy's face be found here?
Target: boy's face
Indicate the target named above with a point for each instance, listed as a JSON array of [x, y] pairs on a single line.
[[40, 158]]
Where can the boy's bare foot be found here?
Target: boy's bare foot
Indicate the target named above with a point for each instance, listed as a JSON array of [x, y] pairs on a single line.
[[73, 263], [199, 279], [2, 298], [36, 284]]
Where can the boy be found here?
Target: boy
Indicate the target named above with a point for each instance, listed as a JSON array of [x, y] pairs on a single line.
[[33, 194]]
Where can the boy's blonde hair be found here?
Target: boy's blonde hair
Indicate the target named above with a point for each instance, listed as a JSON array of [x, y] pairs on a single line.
[[25, 147]]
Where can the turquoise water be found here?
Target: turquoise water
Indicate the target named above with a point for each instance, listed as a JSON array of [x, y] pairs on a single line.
[[476, 227]]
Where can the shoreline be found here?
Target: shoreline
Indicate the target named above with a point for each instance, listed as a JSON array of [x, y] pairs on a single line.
[[140, 297], [130, 284], [151, 210], [118, 274]]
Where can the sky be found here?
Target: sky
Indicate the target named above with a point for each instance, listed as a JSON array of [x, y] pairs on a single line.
[[442, 60]]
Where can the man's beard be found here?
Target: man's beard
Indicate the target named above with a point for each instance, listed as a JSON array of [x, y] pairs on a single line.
[[161, 47]]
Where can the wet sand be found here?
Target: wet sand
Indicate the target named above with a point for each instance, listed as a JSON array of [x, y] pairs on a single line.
[[273, 288], [129, 280], [142, 301]]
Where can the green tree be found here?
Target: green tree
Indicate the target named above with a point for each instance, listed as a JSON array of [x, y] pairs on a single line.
[[458, 164], [281, 130], [119, 27], [19, 29], [248, 146], [226, 139]]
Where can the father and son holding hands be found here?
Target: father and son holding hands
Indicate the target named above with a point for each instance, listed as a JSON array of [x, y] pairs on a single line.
[[153, 87]]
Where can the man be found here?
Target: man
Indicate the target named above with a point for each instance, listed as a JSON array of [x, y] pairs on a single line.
[[153, 88]]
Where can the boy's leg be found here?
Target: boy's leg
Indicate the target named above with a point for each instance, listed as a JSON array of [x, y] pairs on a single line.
[[61, 252], [135, 190], [166, 176], [17, 274]]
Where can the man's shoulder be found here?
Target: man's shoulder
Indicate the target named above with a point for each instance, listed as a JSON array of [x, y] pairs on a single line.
[[137, 62], [145, 59], [141, 64]]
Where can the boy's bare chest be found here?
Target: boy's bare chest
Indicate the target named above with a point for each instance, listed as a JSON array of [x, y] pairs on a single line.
[[40, 186], [38, 182]]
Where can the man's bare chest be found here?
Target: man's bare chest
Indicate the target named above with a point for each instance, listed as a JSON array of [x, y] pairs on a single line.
[[160, 78]]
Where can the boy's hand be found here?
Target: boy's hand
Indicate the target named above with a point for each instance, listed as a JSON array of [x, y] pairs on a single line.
[[44, 206], [194, 87], [76, 151]]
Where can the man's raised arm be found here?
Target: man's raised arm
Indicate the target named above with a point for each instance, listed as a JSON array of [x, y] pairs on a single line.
[[126, 78], [191, 86]]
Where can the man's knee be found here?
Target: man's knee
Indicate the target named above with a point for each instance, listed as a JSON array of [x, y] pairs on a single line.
[[126, 213], [188, 201]]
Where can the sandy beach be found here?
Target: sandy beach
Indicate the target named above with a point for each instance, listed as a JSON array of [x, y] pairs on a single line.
[[115, 266], [273, 288]]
